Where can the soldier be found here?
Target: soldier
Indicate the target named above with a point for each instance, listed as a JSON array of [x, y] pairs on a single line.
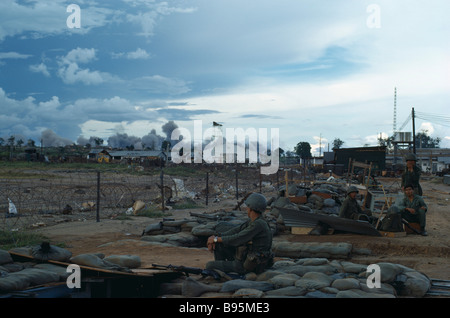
[[411, 175], [413, 208], [247, 247], [350, 208]]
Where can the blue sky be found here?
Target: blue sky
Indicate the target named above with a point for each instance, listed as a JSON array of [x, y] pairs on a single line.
[[317, 70]]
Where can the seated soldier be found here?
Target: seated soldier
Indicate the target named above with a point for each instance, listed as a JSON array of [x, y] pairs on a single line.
[[247, 247], [350, 208], [413, 208]]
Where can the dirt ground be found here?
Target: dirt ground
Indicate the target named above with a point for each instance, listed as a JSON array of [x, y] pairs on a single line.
[[429, 255]]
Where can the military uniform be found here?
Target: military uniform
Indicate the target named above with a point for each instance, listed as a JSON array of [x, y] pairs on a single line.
[[350, 209], [417, 203], [244, 248], [412, 177]]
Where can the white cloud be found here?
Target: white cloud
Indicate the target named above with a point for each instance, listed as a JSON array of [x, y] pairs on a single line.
[[157, 84], [70, 72], [13, 55], [139, 54], [79, 55], [40, 68]]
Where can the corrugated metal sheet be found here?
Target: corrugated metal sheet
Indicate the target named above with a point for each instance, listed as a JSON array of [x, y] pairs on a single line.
[[305, 219]]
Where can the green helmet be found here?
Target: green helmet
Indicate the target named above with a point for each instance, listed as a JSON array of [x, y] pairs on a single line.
[[257, 202], [410, 157], [352, 189]]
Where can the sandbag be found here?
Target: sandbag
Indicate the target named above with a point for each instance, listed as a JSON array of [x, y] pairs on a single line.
[[5, 257], [130, 261], [46, 251]]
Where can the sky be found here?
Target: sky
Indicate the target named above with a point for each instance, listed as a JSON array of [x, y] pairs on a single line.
[[315, 70]]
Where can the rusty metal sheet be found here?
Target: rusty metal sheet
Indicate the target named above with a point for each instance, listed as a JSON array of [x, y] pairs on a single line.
[[305, 219]]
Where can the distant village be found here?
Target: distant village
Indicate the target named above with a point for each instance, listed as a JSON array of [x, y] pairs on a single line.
[[382, 160]]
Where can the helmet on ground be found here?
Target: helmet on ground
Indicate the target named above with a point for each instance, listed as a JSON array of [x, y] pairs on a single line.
[[410, 157], [257, 202], [352, 189]]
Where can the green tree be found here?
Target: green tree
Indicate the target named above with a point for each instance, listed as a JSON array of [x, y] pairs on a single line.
[[425, 141], [337, 143], [303, 150]]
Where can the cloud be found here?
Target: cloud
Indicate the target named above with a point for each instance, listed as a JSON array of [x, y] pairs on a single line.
[[13, 55], [158, 84], [37, 19], [71, 73], [40, 68], [139, 54], [149, 19]]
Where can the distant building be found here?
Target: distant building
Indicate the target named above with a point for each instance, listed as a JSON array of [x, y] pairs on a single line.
[[139, 156], [374, 155]]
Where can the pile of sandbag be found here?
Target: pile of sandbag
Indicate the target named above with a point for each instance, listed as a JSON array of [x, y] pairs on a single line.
[[308, 278], [17, 276]]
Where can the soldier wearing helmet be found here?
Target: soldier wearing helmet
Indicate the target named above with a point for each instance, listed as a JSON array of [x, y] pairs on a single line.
[[350, 208], [247, 247], [411, 175]]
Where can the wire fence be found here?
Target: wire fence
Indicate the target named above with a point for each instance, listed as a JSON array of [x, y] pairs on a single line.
[[42, 197]]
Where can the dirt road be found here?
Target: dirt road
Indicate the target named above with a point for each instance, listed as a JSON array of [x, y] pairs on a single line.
[[429, 255]]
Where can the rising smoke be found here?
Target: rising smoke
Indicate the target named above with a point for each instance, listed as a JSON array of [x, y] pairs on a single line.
[[151, 141], [50, 139]]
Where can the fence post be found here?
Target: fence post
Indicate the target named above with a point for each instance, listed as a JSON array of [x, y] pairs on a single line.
[[162, 189], [98, 196], [237, 189], [260, 180]]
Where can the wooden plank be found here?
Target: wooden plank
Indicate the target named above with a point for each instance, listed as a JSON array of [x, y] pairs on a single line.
[[361, 165], [298, 230], [299, 200], [322, 194], [21, 257], [301, 230], [392, 234], [414, 226]]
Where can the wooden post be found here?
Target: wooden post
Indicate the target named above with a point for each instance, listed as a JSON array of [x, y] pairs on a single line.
[[260, 180], [286, 193], [237, 185], [98, 196], [161, 176]]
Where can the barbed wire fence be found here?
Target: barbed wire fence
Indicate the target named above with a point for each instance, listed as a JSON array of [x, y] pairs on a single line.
[[45, 197]]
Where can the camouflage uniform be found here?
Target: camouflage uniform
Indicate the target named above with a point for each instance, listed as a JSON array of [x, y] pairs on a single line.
[[244, 248]]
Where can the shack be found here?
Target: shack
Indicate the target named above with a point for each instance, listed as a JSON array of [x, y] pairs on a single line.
[[374, 155]]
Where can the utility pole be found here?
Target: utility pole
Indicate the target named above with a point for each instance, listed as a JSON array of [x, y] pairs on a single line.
[[320, 145], [395, 129], [414, 130]]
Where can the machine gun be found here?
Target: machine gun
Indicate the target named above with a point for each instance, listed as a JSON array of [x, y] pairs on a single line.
[[190, 270]]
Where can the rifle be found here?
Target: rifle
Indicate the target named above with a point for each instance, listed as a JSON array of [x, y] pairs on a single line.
[[190, 270], [409, 226]]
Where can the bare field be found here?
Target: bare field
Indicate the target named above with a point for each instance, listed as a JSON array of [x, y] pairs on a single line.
[[82, 233]]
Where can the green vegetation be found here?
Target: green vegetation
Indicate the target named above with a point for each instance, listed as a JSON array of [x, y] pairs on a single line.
[[10, 239]]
